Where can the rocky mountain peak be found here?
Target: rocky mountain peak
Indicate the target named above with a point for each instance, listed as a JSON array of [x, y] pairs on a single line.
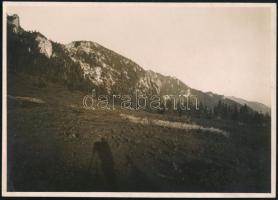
[[13, 20], [44, 45], [86, 46]]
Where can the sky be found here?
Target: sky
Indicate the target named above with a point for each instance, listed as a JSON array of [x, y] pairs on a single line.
[[228, 50]]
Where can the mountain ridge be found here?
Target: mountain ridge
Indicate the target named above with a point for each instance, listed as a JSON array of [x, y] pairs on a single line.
[[87, 64], [257, 106]]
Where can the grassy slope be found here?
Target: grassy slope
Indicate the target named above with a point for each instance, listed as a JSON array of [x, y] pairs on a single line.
[[57, 146]]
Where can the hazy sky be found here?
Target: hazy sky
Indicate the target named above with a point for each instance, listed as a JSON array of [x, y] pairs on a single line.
[[226, 50]]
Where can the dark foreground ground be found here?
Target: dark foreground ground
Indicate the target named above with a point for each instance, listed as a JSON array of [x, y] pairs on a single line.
[[59, 146]]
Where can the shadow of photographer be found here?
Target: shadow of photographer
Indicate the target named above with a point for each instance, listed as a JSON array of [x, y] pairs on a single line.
[[101, 166]]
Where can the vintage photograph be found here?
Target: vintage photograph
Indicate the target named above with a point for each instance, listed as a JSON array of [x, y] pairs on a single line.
[[139, 99]]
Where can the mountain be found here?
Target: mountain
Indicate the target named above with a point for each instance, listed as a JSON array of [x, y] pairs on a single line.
[[85, 65], [259, 107]]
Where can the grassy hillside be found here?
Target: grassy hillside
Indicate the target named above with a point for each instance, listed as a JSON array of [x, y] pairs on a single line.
[[57, 145]]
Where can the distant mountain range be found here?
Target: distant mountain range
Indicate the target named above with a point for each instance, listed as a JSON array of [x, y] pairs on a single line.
[[85, 65], [259, 107]]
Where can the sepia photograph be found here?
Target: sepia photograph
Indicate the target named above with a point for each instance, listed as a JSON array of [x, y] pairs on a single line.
[[139, 99]]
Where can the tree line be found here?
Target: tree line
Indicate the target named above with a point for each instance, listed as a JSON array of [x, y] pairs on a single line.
[[224, 111]]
